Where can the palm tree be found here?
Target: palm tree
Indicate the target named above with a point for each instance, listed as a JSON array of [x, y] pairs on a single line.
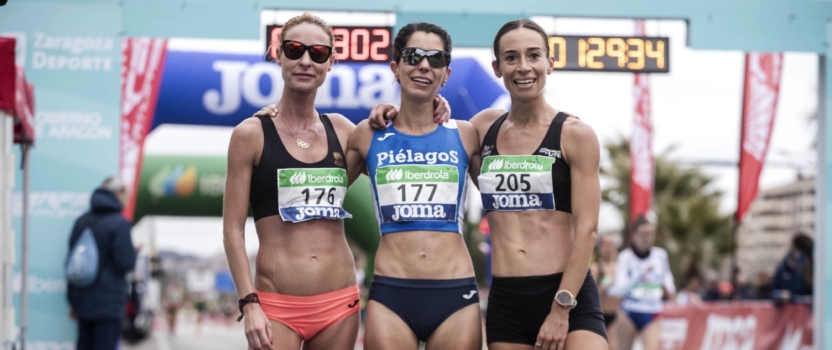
[[689, 224]]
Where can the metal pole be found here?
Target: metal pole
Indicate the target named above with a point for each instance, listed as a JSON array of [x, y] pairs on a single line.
[[737, 218], [819, 267], [24, 261]]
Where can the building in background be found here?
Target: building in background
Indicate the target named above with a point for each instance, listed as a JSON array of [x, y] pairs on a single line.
[[775, 216]]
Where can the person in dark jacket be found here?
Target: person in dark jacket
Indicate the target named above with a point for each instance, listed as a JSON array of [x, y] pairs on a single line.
[[100, 308], [793, 277]]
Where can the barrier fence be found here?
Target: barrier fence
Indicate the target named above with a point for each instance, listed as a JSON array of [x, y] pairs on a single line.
[[739, 325]]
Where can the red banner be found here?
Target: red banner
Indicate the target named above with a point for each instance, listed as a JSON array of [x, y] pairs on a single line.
[[141, 75], [24, 101], [762, 87], [641, 145], [7, 75], [729, 326]]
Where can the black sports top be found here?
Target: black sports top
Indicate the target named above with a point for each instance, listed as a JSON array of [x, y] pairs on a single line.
[[550, 147], [264, 178]]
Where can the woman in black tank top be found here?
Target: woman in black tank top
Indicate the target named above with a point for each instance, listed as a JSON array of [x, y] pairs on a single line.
[[304, 292], [540, 187]]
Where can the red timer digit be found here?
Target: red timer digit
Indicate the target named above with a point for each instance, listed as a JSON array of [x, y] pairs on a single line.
[[378, 48]]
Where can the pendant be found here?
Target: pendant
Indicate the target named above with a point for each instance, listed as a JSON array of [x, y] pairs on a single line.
[[302, 144]]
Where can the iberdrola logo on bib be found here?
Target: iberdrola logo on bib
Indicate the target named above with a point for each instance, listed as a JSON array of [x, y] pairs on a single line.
[[517, 164], [312, 177], [298, 179], [496, 165], [394, 175], [416, 174]]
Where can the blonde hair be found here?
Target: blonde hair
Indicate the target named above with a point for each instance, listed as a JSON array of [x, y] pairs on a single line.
[[306, 17]]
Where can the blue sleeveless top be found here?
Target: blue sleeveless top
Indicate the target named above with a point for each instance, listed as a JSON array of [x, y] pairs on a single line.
[[419, 182]]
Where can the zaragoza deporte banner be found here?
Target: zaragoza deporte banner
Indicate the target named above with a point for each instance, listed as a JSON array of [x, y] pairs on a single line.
[[72, 54]]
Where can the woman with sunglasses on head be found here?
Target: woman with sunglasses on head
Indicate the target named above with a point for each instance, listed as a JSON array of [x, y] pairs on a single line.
[[424, 287], [540, 187], [290, 167]]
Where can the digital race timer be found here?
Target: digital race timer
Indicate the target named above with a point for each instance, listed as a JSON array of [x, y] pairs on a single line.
[[610, 53]]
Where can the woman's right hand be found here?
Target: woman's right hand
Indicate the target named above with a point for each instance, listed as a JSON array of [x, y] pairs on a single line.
[[270, 110], [258, 328]]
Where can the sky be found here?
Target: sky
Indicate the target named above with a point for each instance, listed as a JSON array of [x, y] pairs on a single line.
[[696, 111]]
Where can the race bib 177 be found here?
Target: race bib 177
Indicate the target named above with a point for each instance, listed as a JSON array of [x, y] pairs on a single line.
[[417, 192]]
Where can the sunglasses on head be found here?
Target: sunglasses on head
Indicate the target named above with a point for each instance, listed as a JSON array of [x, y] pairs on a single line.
[[436, 58], [294, 50]]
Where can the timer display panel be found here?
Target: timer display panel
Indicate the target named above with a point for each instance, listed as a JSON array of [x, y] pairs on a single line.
[[610, 53]]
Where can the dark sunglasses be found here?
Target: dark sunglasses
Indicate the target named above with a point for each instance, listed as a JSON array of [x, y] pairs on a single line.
[[436, 58], [294, 50]]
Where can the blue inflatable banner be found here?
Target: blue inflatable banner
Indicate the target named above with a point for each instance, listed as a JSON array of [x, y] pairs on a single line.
[[204, 85]]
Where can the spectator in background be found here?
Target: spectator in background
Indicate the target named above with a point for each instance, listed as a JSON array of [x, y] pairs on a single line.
[[744, 291], [174, 298], [228, 305], [643, 278], [763, 285], [201, 308], [689, 295], [100, 308], [603, 269], [725, 290], [793, 277], [711, 291]]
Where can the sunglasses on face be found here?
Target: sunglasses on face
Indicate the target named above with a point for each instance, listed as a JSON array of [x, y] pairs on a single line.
[[294, 50], [436, 58]]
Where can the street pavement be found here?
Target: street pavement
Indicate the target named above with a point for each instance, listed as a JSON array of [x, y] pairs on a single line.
[[215, 334]]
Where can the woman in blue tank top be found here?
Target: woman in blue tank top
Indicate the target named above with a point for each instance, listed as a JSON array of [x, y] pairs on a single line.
[[424, 287]]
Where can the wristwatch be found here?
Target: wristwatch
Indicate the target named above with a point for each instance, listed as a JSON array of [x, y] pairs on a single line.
[[566, 299]]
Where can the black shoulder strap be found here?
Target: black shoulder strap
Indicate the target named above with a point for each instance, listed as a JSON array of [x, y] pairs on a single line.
[[331, 134], [491, 136], [553, 135], [269, 130]]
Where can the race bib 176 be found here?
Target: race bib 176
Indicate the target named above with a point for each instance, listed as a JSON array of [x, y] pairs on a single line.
[[306, 194], [417, 192]]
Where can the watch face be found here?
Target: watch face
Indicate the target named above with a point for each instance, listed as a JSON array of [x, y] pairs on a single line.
[[563, 298]]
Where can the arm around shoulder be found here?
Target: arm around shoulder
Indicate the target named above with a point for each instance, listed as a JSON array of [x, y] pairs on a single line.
[[471, 141], [357, 148]]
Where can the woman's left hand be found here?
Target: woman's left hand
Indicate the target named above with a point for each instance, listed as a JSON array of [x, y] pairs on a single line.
[[552, 335]]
